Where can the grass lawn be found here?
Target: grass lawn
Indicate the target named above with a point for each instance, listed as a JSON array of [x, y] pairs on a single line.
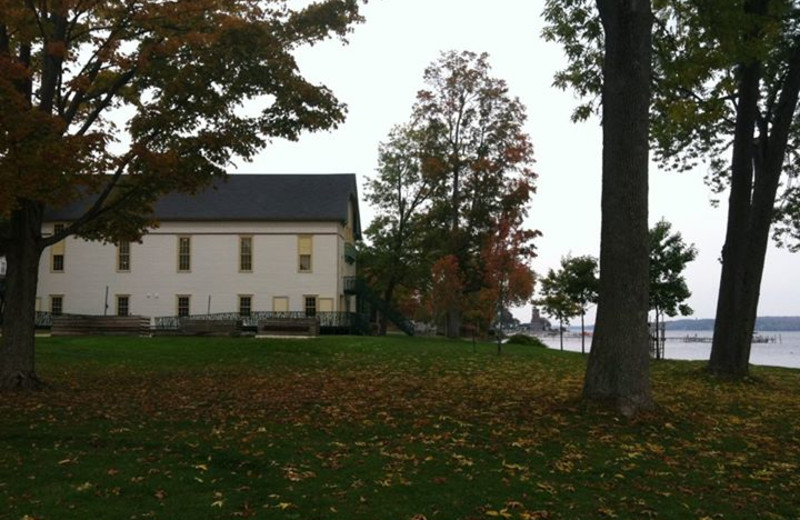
[[391, 428]]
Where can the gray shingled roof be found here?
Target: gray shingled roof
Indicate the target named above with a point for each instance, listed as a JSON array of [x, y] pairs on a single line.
[[267, 197]]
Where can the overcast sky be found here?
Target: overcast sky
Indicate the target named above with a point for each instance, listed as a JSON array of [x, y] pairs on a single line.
[[378, 74]]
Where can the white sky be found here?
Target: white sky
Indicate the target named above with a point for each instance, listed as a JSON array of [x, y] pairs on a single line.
[[378, 74]]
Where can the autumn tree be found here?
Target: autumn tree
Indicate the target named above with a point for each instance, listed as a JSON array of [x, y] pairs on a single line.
[[479, 164], [581, 285], [508, 279], [123, 101], [446, 286], [726, 81], [669, 255]]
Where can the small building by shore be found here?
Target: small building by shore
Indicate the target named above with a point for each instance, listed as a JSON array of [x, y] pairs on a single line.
[[538, 323]]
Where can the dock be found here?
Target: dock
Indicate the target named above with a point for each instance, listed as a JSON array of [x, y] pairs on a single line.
[[757, 338]]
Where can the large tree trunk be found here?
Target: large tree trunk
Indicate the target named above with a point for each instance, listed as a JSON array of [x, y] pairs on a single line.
[[750, 212], [735, 319], [618, 371], [17, 367]]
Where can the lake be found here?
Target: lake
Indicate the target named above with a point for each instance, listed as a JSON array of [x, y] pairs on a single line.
[[782, 351]]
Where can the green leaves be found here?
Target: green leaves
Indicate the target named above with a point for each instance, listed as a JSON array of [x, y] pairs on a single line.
[[669, 255], [569, 291]]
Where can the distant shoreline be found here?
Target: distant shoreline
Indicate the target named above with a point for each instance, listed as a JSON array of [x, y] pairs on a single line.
[[763, 324]]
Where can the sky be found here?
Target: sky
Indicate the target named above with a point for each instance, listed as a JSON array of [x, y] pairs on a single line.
[[379, 72]]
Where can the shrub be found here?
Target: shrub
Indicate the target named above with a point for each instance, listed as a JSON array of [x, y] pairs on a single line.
[[524, 339]]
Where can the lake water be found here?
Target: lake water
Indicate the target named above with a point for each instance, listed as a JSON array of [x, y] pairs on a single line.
[[782, 351]]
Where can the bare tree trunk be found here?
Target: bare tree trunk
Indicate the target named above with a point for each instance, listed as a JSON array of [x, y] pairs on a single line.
[[17, 352], [618, 371]]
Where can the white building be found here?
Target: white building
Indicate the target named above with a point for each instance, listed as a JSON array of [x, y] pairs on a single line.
[[248, 243]]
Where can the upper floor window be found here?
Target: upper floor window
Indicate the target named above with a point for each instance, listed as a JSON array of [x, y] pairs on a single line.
[[124, 256], [245, 253], [57, 251], [184, 254], [305, 251]]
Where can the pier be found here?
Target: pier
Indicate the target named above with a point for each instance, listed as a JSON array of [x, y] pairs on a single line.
[[757, 338]]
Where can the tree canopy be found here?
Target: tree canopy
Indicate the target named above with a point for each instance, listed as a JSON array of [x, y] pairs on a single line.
[[454, 185], [669, 255], [153, 90], [479, 162], [555, 300]]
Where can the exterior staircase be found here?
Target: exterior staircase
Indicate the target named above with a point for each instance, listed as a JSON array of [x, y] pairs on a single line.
[[364, 294]]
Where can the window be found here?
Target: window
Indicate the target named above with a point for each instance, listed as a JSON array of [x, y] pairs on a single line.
[[245, 254], [305, 249], [57, 264], [183, 306], [56, 305], [311, 306], [124, 256], [123, 305], [245, 305], [280, 304], [184, 254], [325, 305], [57, 252]]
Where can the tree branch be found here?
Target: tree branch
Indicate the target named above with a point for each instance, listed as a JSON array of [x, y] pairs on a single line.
[[118, 84], [98, 207], [91, 68]]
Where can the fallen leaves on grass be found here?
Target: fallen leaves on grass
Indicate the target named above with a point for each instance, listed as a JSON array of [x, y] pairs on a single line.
[[349, 434]]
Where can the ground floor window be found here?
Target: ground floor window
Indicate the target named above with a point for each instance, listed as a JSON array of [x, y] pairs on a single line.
[[183, 305], [56, 305], [245, 305], [311, 306], [123, 305], [280, 304]]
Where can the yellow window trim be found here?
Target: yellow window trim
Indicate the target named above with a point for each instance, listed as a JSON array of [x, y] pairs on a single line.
[[305, 246]]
